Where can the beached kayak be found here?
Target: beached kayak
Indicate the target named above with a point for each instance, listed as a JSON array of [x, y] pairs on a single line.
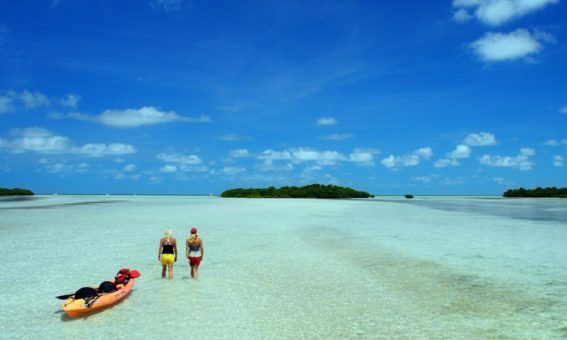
[[77, 307]]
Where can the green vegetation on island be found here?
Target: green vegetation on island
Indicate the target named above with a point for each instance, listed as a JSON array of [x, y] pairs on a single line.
[[308, 191], [15, 192], [537, 192], [408, 196]]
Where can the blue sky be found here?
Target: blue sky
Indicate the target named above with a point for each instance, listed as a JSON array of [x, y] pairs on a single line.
[[195, 97]]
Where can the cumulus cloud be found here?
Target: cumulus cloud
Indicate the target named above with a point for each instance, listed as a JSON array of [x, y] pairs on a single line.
[[521, 161], [411, 159], [232, 170], [480, 139], [327, 121], [558, 161], [99, 150], [132, 118], [554, 142], [337, 136], [6, 104], [496, 47], [362, 157], [33, 100], [181, 163], [70, 100], [129, 168], [239, 153], [232, 137], [168, 168], [497, 12], [461, 151], [562, 110], [28, 99], [43, 141], [179, 158]]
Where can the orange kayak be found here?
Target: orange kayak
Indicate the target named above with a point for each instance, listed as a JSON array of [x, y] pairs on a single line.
[[77, 307]]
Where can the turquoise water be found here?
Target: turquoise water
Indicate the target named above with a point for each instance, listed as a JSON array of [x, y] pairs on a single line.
[[458, 268]]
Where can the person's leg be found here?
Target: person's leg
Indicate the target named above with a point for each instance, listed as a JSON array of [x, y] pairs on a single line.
[[193, 271], [170, 267], [163, 271]]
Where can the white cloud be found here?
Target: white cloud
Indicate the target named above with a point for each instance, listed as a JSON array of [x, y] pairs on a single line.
[[168, 168], [480, 139], [179, 158], [43, 141], [239, 153], [33, 100], [132, 118], [521, 161], [424, 179], [461, 151], [232, 137], [558, 161], [99, 150], [364, 157], [6, 104], [410, 159], [338, 136], [233, 170], [445, 162], [327, 121], [28, 99], [553, 142], [70, 100], [462, 15], [59, 167], [498, 12], [495, 47], [562, 110], [129, 168], [37, 140]]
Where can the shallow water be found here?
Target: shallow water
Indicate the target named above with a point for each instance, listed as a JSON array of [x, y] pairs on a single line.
[[429, 268]]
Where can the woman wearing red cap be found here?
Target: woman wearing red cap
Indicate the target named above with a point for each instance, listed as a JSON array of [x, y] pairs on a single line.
[[194, 251]]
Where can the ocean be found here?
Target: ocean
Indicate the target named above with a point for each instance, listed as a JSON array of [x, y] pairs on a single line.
[[383, 268]]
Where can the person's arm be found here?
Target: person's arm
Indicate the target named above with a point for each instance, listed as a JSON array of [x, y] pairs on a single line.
[[159, 250], [175, 249], [202, 249], [187, 248]]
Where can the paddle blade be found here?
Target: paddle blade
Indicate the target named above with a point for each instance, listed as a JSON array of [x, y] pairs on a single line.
[[64, 297], [134, 274]]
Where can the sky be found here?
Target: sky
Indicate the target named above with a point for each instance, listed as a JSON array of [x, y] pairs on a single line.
[[461, 97]]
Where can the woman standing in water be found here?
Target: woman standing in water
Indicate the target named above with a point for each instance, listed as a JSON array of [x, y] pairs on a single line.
[[194, 251], [167, 253]]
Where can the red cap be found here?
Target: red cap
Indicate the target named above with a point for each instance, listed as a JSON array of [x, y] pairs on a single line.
[[193, 230]]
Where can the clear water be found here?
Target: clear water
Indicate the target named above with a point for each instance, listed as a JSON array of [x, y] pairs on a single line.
[[458, 268]]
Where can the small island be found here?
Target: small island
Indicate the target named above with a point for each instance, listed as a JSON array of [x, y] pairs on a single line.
[[308, 191], [550, 192], [15, 192]]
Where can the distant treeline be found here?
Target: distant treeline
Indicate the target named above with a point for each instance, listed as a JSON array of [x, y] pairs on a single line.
[[537, 192], [14, 192], [308, 191]]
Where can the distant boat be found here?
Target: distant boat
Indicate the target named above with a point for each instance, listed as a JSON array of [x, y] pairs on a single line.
[[408, 196]]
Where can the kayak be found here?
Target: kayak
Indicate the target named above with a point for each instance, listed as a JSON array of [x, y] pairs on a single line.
[[77, 307]]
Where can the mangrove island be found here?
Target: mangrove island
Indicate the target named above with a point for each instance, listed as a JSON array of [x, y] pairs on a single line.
[[308, 191], [551, 192], [15, 192]]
